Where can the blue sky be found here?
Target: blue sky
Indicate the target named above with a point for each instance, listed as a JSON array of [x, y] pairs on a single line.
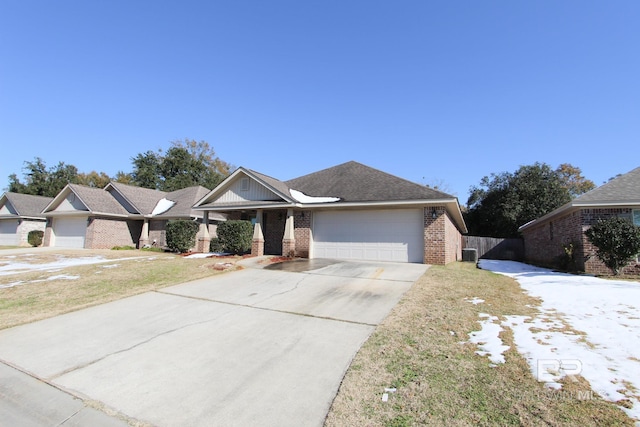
[[435, 92]]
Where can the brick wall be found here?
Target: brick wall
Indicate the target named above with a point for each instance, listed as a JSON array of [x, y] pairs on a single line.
[[544, 243], [158, 233], [442, 239], [105, 233], [302, 233]]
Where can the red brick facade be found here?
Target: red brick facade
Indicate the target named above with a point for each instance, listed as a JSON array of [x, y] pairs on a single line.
[[105, 233], [545, 243], [442, 239]]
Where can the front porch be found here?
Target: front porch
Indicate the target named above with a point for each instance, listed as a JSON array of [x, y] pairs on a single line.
[[282, 232]]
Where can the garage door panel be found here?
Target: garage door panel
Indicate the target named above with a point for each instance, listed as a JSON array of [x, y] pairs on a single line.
[[9, 232], [70, 232], [388, 235]]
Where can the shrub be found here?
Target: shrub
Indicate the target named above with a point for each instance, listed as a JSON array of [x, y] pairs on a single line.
[[35, 237], [568, 260], [181, 235], [235, 236], [122, 248], [216, 246], [617, 241]]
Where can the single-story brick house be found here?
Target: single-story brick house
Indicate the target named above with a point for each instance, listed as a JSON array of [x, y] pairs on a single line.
[[118, 215], [546, 237], [20, 214], [349, 211]]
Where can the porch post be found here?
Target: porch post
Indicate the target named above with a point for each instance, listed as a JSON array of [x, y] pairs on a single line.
[[204, 239], [144, 236], [257, 244], [289, 239]]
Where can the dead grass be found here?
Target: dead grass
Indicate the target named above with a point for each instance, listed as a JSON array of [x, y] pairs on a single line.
[[441, 381], [39, 297]]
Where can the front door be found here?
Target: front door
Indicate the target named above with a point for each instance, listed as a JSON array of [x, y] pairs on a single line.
[[273, 230]]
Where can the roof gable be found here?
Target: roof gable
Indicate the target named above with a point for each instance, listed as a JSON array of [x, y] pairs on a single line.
[[247, 186], [76, 197], [135, 199], [355, 182], [23, 205]]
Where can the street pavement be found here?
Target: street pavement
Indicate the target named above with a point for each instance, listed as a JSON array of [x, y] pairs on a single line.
[[258, 346]]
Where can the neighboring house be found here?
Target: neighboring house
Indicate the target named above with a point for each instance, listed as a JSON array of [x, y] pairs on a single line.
[[350, 211], [20, 214], [546, 238], [119, 215]]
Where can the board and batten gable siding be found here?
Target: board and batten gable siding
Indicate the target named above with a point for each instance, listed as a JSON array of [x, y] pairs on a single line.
[[71, 203], [249, 190], [8, 209]]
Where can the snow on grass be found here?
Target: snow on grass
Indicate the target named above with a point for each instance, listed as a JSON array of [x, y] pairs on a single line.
[[586, 326], [50, 278], [488, 339], [59, 264]]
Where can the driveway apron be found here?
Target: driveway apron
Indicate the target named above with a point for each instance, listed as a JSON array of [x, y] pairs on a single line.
[[250, 347]]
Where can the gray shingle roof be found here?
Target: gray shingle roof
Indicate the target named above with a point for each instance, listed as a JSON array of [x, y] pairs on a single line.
[[144, 200], [97, 200], [355, 182], [625, 188], [184, 199], [27, 205]]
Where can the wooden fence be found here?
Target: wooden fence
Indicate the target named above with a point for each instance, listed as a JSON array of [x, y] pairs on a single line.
[[494, 248]]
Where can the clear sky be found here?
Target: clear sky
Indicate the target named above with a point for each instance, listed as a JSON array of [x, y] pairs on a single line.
[[437, 92]]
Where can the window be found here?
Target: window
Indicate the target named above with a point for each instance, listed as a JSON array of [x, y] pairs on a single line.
[[550, 230], [244, 184], [636, 216]]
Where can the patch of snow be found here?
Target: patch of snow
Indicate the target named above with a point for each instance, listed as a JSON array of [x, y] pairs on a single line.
[[208, 255], [488, 339], [303, 198], [606, 315], [475, 300], [162, 206], [63, 277], [111, 266], [55, 266], [12, 284]]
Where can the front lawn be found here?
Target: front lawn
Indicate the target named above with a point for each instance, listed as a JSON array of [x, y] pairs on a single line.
[[421, 358]]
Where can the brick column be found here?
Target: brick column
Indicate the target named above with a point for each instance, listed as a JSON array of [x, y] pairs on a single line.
[[144, 235], [257, 244], [289, 239], [204, 239]]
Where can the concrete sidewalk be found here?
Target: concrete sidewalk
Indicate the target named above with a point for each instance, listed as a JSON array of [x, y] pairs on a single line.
[[251, 347]]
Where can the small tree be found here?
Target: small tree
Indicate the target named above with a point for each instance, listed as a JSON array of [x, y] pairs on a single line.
[[235, 236], [617, 241], [34, 237], [181, 235]]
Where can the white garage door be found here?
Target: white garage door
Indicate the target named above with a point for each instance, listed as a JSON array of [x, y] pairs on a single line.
[[69, 232], [9, 232], [387, 235]]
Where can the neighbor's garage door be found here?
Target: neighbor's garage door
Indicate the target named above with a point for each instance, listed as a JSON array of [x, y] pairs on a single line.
[[386, 235], [9, 232], [69, 232]]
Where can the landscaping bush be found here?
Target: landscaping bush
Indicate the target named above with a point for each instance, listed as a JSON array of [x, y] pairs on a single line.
[[123, 248], [216, 246], [235, 236], [35, 237], [181, 235], [617, 241]]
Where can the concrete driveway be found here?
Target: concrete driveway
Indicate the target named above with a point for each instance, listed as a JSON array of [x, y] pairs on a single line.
[[251, 347]]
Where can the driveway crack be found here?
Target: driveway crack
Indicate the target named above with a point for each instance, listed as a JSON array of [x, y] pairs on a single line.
[[123, 350]]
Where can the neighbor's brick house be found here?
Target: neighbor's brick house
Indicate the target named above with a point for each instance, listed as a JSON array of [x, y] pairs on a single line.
[[545, 239], [20, 214], [121, 215], [349, 211]]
